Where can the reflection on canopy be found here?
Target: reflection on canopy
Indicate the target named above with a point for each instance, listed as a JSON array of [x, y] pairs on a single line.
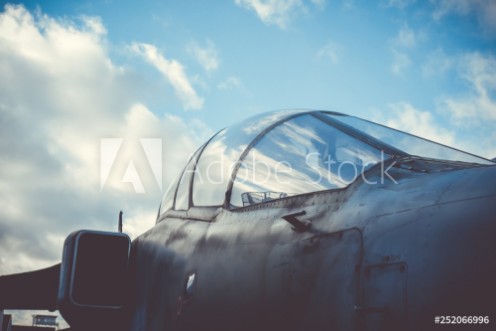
[[408, 143], [220, 157], [182, 195], [279, 154], [300, 156]]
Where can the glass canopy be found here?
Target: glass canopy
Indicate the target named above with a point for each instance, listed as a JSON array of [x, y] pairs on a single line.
[[283, 153]]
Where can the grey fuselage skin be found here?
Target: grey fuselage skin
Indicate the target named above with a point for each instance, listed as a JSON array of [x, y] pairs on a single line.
[[385, 256]]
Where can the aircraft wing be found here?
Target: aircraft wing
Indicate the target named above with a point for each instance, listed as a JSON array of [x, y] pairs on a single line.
[[36, 290]]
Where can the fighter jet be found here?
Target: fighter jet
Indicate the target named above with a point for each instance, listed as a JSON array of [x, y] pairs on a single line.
[[292, 220]]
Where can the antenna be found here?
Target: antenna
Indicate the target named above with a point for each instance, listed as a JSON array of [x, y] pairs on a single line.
[[120, 221]]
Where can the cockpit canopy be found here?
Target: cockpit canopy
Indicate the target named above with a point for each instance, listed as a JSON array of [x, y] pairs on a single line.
[[284, 153]]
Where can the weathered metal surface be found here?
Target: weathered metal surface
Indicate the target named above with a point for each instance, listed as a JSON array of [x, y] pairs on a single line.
[[418, 248]]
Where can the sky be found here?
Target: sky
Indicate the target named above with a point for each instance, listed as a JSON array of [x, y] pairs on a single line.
[[103, 102]]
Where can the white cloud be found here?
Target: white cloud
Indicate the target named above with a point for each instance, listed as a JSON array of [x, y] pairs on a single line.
[[174, 72], [483, 10], [330, 52], [405, 117], [406, 37], [319, 3], [60, 94], [465, 120], [272, 12], [230, 83], [348, 5], [437, 63], [401, 4], [207, 57], [277, 12], [401, 62], [95, 25], [401, 46], [478, 104]]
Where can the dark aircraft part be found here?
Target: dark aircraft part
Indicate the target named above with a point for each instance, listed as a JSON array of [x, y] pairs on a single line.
[[384, 300], [324, 281], [297, 225], [119, 229], [94, 277], [30, 290]]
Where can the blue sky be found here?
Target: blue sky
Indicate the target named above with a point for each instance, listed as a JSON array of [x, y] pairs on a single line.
[[349, 56], [75, 72]]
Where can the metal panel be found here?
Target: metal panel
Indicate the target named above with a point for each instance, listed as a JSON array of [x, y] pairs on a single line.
[[319, 281], [384, 297]]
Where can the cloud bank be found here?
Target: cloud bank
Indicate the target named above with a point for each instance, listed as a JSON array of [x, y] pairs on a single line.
[[60, 95]]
